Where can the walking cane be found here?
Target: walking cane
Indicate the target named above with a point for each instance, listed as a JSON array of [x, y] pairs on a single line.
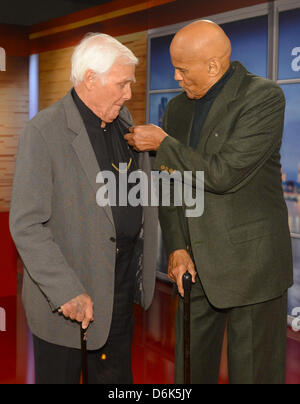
[[187, 286], [84, 366]]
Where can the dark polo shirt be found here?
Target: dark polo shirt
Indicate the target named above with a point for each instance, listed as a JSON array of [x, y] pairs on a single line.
[[111, 148], [203, 105]]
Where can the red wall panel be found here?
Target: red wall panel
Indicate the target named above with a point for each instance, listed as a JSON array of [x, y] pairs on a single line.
[[14, 39], [8, 259], [8, 341]]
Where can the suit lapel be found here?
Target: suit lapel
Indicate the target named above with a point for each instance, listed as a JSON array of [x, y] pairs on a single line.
[[127, 122], [184, 120], [83, 148], [217, 111], [221, 105]]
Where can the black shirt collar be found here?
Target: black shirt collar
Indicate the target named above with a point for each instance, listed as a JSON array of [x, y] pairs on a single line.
[[216, 88], [88, 116]]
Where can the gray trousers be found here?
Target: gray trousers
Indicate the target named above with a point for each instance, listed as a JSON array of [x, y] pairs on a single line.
[[256, 341], [62, 365]]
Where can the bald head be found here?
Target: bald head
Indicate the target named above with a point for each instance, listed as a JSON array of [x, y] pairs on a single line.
[[201, 46], [203, 39]]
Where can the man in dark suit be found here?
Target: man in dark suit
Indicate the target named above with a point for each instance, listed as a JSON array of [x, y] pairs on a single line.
[[84, 262], [227, 123]]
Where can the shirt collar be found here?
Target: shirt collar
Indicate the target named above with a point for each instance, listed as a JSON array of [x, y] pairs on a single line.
[[86, 113], [216, 88]]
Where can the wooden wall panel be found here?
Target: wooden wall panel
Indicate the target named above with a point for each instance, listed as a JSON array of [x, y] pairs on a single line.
[[137, 106], [13, 116], [55, 69]]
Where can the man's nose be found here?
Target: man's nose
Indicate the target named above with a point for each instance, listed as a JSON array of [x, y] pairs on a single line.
[[127, 93], [177, 75]]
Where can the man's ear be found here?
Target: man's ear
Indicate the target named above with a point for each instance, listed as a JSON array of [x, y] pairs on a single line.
[[89, 79], [214, 67]]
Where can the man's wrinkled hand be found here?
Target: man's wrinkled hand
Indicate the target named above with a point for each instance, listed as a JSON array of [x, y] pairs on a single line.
[[145, 138], [79, 309], [179, 262]]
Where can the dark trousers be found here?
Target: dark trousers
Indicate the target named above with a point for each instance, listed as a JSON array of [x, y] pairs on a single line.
[[256, 341], [112, 363]]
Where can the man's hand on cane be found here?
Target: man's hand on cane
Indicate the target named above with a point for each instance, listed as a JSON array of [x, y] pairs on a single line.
[[180, 262], [79, 309]]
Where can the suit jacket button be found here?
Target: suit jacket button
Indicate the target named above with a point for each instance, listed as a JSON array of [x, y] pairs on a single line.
[[113, 240]]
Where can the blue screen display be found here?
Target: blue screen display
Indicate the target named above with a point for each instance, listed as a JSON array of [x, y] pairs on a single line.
[[294, 292], [291, 155], [249, 40], [249, 45], [158, 104], [162, 71], [289, 45], [291, 139]]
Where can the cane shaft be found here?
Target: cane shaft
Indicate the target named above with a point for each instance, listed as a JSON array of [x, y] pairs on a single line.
[[187, 286], [84, 366], [187, 339]]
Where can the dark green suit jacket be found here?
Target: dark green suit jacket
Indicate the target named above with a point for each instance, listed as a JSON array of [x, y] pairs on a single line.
[[241, 245]]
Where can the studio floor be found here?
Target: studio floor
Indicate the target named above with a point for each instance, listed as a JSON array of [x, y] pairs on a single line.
[[153, 345]]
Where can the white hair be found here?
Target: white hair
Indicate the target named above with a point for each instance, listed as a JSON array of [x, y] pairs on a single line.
[[98, 52]]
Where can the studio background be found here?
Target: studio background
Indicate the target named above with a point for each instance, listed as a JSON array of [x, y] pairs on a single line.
[[266, 39]]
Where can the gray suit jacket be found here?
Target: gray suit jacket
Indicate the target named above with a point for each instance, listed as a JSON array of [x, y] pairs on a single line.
[[64, 238]]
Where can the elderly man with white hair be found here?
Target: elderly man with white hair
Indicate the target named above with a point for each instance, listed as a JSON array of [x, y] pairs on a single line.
[[85, 264]]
